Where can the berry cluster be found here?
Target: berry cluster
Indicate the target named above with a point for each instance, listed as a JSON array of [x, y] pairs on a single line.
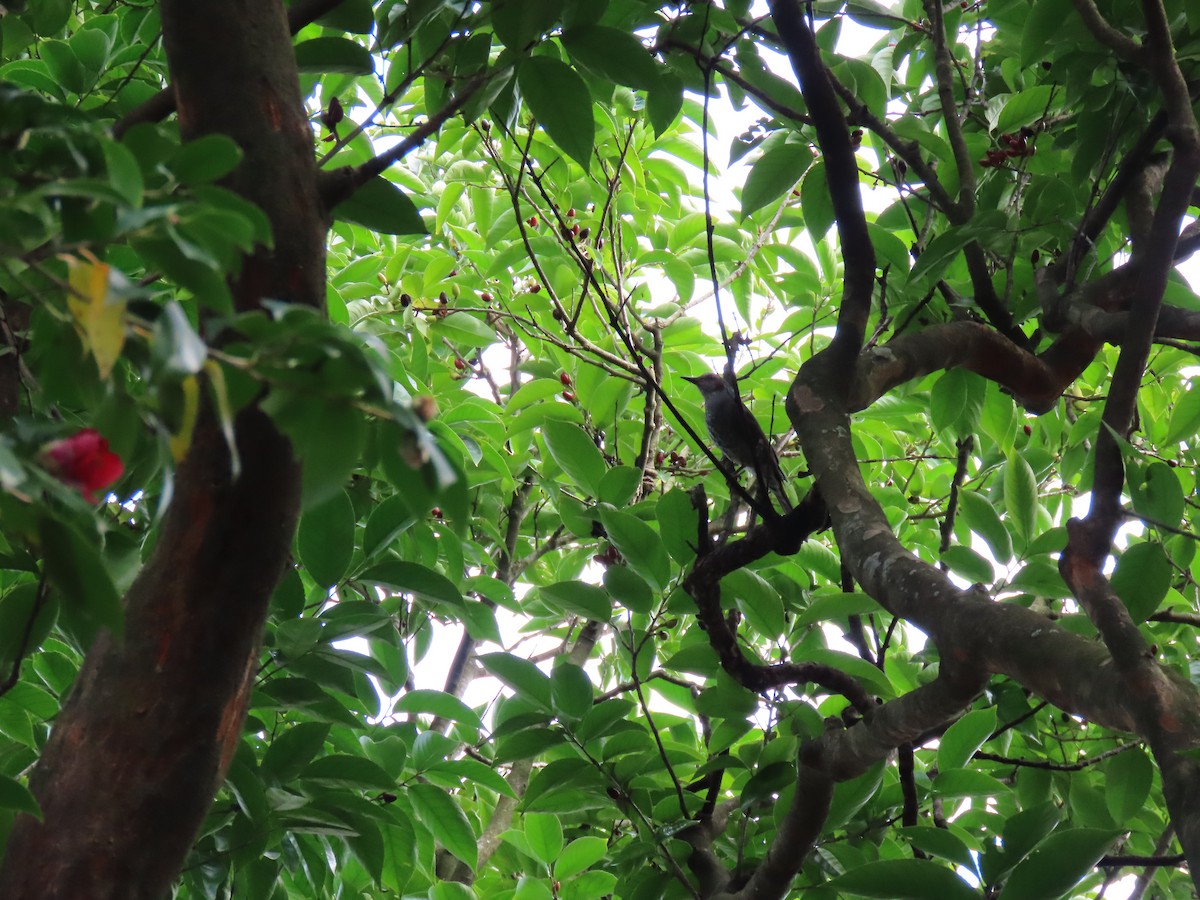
[[1015, 146], [609, 557], [677, 460]]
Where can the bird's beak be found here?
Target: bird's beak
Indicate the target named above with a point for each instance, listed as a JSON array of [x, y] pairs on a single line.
[[694, 379]]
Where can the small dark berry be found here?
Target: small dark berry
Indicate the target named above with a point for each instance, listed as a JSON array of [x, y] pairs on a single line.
[[485, 297], [1028, 429], [436, 512], [569, 396], [564, 378], [571, 213], [658, 458], [459, 364], [443, 299], [575, 230], [485, 124], [583, 233], [566, 232], [532, 220], [535, 288], [406, 300]]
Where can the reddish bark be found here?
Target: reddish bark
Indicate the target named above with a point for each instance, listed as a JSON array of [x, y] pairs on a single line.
[[141, 746]]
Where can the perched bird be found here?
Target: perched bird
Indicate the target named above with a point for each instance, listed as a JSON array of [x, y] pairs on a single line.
[[738, 435]]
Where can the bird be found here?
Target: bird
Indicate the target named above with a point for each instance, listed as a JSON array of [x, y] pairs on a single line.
[[738, 435]]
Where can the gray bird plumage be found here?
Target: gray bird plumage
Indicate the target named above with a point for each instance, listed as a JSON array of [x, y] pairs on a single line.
[[738, 435]]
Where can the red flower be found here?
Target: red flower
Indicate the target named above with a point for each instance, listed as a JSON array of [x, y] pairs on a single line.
[[84, 462]]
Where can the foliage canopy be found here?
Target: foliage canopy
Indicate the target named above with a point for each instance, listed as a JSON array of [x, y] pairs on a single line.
[[657, 686]]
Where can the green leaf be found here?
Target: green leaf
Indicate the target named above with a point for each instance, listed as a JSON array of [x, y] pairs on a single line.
[[354, 16], [1127, 780], [956, 401], [870, 676], [342, 770], [439, 703], [1025, 108], [904, 879], [16, 607], [1020, 495], [619, 485], [981, 517], [413, 578], [17, 797], [816, 202], [327, 435], [442, 815], [758, 601], [560, 101], [382, 207], [577, 598], [334, 54], [964, 737], [1158, 496], [582, 853], [954, 783], [576, 454], [826, 604], [664, 101], [570, 691], [205, 159], [966, 563], [938, 254], [77, 571], [390, 519], [544, 834], [613, 54], [678, 523], [1185, 415], [124, 173], [49, 16], [941, 842], [774, 174], [293, 749], [477, 774], [629, 589], [1058, 864], [1142, 579], [1043, 22], [325, 540], [639, 544], [64, 65], [519, 22], [526, 679]]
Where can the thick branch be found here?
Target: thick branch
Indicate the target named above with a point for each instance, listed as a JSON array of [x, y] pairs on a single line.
[[162, 104], [156, 713], [841, 171]]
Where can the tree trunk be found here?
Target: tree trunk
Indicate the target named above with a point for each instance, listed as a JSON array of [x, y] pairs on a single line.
[[144, 741]]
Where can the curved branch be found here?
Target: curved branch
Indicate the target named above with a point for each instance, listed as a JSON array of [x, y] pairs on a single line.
[[841, 171], [338, 184]]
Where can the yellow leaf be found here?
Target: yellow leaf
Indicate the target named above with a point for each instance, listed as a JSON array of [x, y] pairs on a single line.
[[182, 439], [216, 381], [99, 312]]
